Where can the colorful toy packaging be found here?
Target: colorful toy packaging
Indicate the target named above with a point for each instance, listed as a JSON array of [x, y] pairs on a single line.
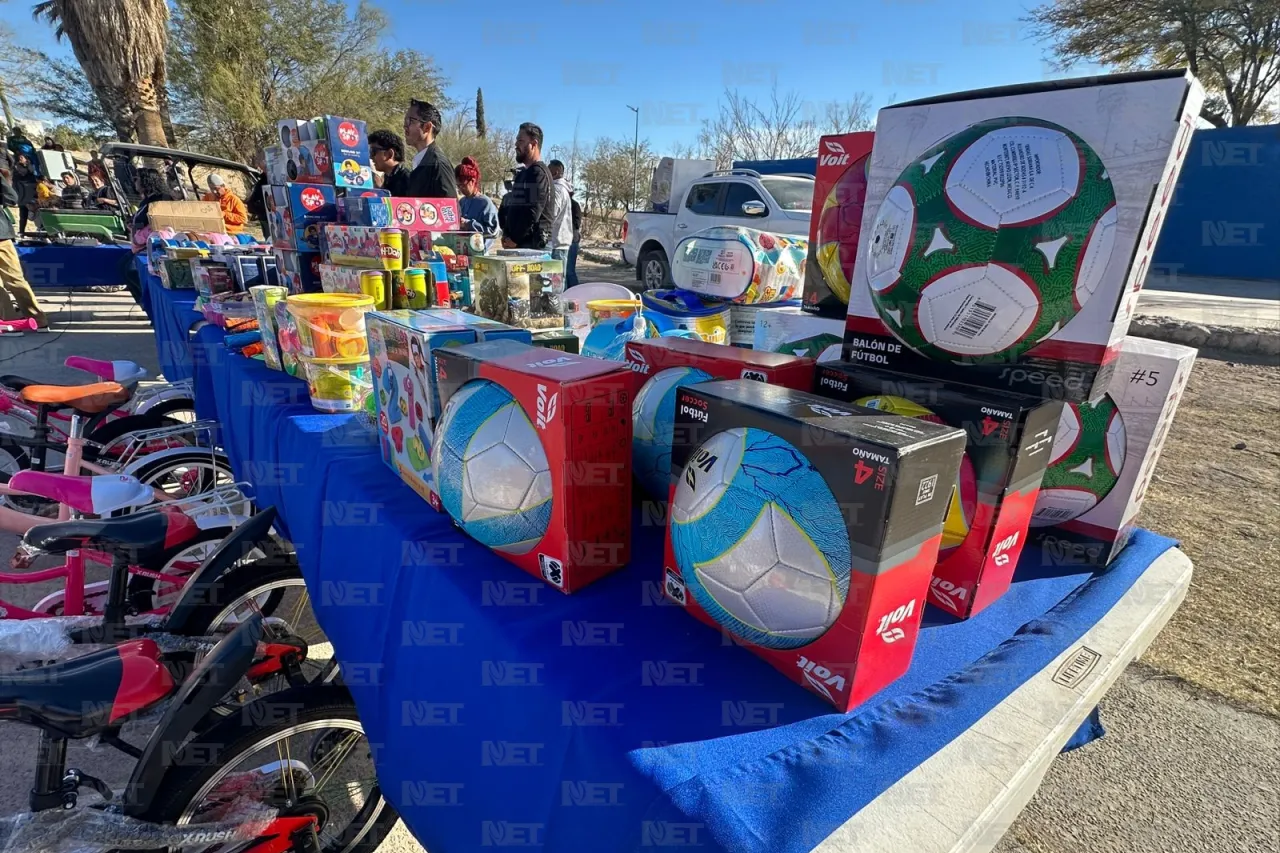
[[558, 339], [369, 211], [424, 214], [277, 165], [348, 151], [336, 279], [519, 291], [265, 298], [1006, 232], [796, 332], [298, 271], [807, 530], [365, 246], [740, 265], [297, 212], [532, 458], [402, 347], [459, 242], [1105, 453], [685, 311], [991, 497], [838, 196]]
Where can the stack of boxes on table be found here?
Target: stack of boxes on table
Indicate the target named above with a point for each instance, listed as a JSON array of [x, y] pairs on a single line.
[[985, 392]]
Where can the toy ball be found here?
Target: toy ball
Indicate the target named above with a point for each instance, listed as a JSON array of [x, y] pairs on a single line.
[[760, 540], [1088, 456], [964, 495], [653, 418], [839, 226], [490, 469], [991, 241]]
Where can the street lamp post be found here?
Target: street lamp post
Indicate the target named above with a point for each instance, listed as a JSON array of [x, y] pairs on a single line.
[[635, 156]]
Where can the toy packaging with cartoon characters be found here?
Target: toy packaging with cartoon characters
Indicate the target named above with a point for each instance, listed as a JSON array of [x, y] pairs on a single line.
[[326, 150], [297, 212], [519, 291], [298, 271], [740, 265], [365, 246]]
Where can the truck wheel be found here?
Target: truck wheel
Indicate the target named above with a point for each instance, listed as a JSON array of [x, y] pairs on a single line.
[[654, 270]]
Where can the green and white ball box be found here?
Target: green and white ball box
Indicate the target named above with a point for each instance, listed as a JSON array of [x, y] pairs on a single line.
[[1007, 231], [1105, 453], [795, 332]]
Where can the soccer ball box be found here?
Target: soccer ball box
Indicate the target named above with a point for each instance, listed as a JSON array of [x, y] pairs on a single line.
[[661, 365], [807, 530], [402, 349], [1008, 446], [838, 196], [1006, 232], [796, 332], [571, 524], [740, 265], [1105, 453]]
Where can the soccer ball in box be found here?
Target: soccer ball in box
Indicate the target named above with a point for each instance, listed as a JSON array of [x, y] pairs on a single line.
[[797, 332], [807, 530], [839, 190], [740, 265], [532, 457], [519, 291], [1105, 453], [297, 212], [1006, 232], [402, 347], [1009, 439], [663, 365]]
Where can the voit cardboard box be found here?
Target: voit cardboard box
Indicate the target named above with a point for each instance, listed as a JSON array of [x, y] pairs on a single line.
[[1009, 437], [839, 192], [1105, 454], [1006, 232], [807, 530]]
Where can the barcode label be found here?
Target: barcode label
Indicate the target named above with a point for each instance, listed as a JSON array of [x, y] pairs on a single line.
[[975, 319], [715, 278], [1054, 513]]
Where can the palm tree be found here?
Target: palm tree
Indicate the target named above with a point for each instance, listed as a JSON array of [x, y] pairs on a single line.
[[120, 44]]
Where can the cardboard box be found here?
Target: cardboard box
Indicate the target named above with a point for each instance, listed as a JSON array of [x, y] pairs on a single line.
[[299, 271], [402, 347], [462, 243], [742, 322], [364, 246], [277, 165], [485, 329], [825, 518], [989, 511], [563, 340], [1105, 453], [370, 211], [336, 279], [519, 291], [1020, 268], [661, 365], [424, 214], [839, 191], [297, 212], [740, 265], [579, 411], [797, 332], [348, 151], [198, 217]]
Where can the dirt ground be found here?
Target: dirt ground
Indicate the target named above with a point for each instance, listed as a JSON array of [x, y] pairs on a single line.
[[1217, 490]]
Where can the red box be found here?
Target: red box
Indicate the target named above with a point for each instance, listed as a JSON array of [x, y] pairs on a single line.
[[424, 214], [860, 487], [838, 195], [1010, 437], [581, 410]]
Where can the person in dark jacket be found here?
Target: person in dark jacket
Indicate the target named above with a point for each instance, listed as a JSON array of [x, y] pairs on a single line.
[[432, 173], [24, 181], [526, 211], [72, 192], [256, 203], [17, 299], [571, 266], [386, 149]]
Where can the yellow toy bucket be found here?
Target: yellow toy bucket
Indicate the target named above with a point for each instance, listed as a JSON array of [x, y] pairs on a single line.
[[331, 325], [599, 310], [338, 384]]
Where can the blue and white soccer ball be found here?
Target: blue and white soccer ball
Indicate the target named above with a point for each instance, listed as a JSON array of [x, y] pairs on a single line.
[[490, 469], [760, 540], [653, 415]]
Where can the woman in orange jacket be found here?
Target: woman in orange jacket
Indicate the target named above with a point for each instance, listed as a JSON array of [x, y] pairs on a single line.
[[234, 214]]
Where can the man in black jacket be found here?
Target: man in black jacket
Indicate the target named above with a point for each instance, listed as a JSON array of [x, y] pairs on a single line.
[[525, 215], [387, 152], [432, 175], [17, 299]]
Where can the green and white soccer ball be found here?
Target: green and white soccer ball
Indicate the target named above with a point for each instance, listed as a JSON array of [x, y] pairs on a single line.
[[1086, 461], [992, 240]]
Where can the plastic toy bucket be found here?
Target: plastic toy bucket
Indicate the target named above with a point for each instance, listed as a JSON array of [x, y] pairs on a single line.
[[331, 325], [338, 384], [611, 309], [685, 310]]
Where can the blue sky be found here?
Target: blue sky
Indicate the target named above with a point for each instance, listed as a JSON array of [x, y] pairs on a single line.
[[561, 62]]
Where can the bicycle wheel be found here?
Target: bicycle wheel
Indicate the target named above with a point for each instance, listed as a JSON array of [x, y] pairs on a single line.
[[113, 429], [146, 594], [186, 473], [13, 458], [182, 410], [302, 747]]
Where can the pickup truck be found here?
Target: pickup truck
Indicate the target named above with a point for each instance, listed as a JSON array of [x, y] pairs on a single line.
[[776, 203]]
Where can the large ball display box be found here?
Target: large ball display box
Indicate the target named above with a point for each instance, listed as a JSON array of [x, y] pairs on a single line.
[[519, 291], [402, 347], [807, 531], [532, 457], [662, 365], [1006, 232], [1105, 453], [794, 331], [839, 191], [740, 265], [992, 495], [297, 212]]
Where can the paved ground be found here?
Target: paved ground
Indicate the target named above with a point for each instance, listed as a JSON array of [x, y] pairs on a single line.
[[1179, 770]]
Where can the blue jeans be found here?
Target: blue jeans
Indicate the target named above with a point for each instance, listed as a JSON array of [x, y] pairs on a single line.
[[571, 267]]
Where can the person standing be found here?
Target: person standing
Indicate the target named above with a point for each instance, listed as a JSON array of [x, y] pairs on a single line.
[[72, 193], [571, 266], [234, 214], [432, 173], [477, 209], [24, 182], [526, 212], [19, 144], [561, 212], [386, 149], [17, 301], [256, 204]]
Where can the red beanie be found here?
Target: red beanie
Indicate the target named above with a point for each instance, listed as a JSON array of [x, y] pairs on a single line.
[[467, 170]]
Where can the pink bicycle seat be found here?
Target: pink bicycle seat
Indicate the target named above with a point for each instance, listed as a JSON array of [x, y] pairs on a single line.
[[112, 371], [100, 495]]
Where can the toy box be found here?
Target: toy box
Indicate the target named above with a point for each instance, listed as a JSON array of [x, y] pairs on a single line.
[[424, 214], [1006, 232], [991, 497], [370, 211], [839, 191], [461, 243], [538, 458], [297, 212], [806, 530], [797, 332], [348, 151], [364, 246], [661, 365], [485, 329], [276, 162], [299, 272], [1105, 453], [211, 278], [742, 322], [740, 265], [336, 279], [402, 346], [559, 339], [519, 291]]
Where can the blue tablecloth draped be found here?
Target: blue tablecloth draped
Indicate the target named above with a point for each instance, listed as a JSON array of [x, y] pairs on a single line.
[[173, 316], [503, 712], [60, 266]]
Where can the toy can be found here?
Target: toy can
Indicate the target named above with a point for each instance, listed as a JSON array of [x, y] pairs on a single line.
[[684, 310], [373, 283], [611, 309], [338, 384], [415, 285], [392, 249], [331, 325]]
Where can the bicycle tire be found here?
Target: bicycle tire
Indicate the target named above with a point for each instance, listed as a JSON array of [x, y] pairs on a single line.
[[141, 590], [17, 454], [113, 429], [169, 407], [149, 469]]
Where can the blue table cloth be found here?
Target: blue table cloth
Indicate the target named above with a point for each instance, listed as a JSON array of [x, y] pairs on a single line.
[[505, 713], [173, 316], [59, 266]]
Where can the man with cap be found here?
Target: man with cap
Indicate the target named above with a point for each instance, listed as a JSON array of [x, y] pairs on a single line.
[[234, 214]]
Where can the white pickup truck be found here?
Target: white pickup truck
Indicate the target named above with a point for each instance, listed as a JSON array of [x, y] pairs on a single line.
[[776, 203]]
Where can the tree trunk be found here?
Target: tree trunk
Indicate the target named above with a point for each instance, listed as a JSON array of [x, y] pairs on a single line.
[[162, 96], [147, 118]]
